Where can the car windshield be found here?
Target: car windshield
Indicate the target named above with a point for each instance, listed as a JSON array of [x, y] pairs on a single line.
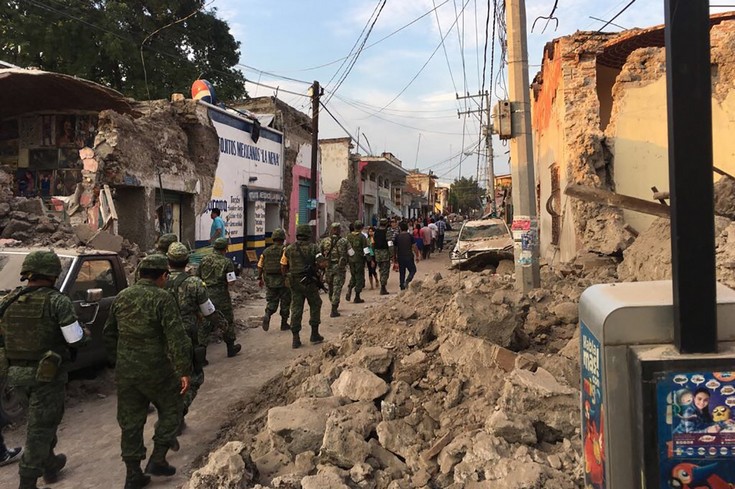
[[485, 231], [10, 264]]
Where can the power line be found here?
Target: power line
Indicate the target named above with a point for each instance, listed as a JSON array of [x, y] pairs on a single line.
[[617, 15], [343, 127], [444, 47]]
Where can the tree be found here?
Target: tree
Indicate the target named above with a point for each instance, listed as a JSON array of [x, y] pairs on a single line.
[[100, 40], [465, 194]]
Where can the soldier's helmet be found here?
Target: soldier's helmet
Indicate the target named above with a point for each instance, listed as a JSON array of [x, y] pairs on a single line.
[[154, 262], [165, 240], [279, 235], [220, 244], [358, 225], [44, 263], [384, 221], [303, 231], [178, 252], [336, 225]]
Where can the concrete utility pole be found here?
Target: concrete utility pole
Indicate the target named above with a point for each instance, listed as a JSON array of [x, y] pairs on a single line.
[[490, 173], [525, 221], [316, 92]]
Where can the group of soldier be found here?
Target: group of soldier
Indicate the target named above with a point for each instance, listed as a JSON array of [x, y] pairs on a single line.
[[156, 337]]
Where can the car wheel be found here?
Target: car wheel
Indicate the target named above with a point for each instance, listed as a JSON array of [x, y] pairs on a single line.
[[13, 403]]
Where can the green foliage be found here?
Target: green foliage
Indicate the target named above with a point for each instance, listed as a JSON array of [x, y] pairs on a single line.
[[465, 194], [100, 40]]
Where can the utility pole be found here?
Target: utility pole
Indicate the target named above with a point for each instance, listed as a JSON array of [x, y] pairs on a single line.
[[316, 92], [525, 221], [490, 173]]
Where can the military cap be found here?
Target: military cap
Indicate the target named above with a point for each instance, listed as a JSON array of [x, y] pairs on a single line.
[[165, 240], [359, 225], [219, 244], [45, 263], [178, 252], [336, 225], [384, 221], [154, 262], [303, 230], [279, 234]]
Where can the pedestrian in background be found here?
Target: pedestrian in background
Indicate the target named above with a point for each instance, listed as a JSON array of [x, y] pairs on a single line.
[[404, 249], [360, 254], [269, 274], [441, 227], [418, 240], [372, 265], [383, 250], [218, 226], [146, 342], [426, 236]]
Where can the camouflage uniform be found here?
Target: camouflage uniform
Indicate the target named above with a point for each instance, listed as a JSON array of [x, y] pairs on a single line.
[[335, 249], [358, 242], [276, 291], [38, 320], [214, 271], [297, 257], [162, 244], [146, 340], [383, 246]]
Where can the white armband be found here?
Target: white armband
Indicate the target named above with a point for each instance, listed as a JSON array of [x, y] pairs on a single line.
[[207, 308], [72, 332], [231, 277], [390, 243], [366, 250], [350, 252]]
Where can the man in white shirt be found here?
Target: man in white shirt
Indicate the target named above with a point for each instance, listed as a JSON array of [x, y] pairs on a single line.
[[434, 234]]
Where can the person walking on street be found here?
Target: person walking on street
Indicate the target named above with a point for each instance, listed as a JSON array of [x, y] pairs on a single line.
[[217, 273], [371, 264], [404, 249], [383, 244], [426, 237], [194, 303], [335, 250], [300, 262], [162, 244], [269, 274], [218, 229], [434, 233], [38, 329], [360, 253], [441, 228], [418, 240], [146, 342]]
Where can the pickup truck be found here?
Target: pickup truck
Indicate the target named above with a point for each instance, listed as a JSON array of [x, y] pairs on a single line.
[[85, 274]]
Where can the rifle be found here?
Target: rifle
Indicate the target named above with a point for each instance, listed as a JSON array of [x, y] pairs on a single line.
[[311, 273]]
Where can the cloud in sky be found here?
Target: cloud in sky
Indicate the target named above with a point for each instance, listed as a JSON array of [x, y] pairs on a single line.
[[291, 37]]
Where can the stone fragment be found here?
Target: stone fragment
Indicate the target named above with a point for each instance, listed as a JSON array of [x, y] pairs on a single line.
[[506, 267], [343, 447], [555, 461], [305, 463], [290, 481], [14, 227], [437, 447], [568, 312], [396, 436], [302, 423], [31, 206], [516, 430], [230, 467], [323, 481], [359, 384], [316, 386], [4, 209], [106, 241], [374, 358], [414, 358], [360, 473], [388, 461]]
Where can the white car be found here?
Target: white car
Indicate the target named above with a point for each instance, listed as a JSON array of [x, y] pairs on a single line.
[[489, 237]]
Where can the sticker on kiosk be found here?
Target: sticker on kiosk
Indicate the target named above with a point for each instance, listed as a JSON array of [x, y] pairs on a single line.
[[696, 429], [593, 413]]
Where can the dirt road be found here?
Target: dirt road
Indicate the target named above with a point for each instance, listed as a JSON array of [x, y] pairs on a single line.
[[90, 436]]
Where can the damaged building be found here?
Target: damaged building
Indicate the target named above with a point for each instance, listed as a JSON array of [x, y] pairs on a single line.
[[599, 121]]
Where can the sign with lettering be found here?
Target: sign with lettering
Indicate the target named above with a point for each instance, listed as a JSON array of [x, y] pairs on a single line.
[[259, 218]]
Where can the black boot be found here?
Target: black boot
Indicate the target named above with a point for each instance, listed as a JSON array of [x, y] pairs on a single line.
[[335, 312], [315, 336], [358, 299], [296, 341], [134, 477], [28, 483], [266, 321], [157, 464], [53, 467], [348, 296], [383, 290], [284, 324], [233, 348]]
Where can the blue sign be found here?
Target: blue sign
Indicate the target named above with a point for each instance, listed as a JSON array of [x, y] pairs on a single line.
[[593, 412], [696, 429]]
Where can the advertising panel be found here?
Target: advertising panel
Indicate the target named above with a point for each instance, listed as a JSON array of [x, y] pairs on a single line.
[[593, 412], [696, 429], [242, 162]]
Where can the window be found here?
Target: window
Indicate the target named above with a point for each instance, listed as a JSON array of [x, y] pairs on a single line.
[[94, 274]]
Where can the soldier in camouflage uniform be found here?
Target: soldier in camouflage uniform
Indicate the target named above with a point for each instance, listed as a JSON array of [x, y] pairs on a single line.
[[162, 244], [269, 274], [194, 304], [383, 246], [217, 272], [335, 250], [358, 243], [38, 329], [296, 259], [147, 343]]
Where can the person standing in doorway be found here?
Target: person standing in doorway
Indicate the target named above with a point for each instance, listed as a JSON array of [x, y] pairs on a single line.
[[218, 226]]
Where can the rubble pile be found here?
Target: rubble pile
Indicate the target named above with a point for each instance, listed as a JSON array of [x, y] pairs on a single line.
[[459, 381]]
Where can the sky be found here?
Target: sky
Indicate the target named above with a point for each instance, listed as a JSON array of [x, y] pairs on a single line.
[[400, 94]]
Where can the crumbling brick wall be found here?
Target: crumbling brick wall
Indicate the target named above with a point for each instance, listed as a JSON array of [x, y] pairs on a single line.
[[347, 204]]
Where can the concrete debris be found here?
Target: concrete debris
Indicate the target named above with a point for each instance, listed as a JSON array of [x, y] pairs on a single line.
[[433, 397], [230, 467]]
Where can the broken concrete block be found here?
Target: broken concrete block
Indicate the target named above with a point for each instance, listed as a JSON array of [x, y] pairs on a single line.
[[437, 446], [516, 430], [305, 463], [4, 209], [567, 312], [323, 481], [506, 267], [359, 384], [316, 386], [391, 464], [396, 436], [16, 229], [361, 473], [106, 241], [230, 467], [475, 314], [361, 417], [414, 358], [343, 447], [302, 423], [374, 358], [31, 206]]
